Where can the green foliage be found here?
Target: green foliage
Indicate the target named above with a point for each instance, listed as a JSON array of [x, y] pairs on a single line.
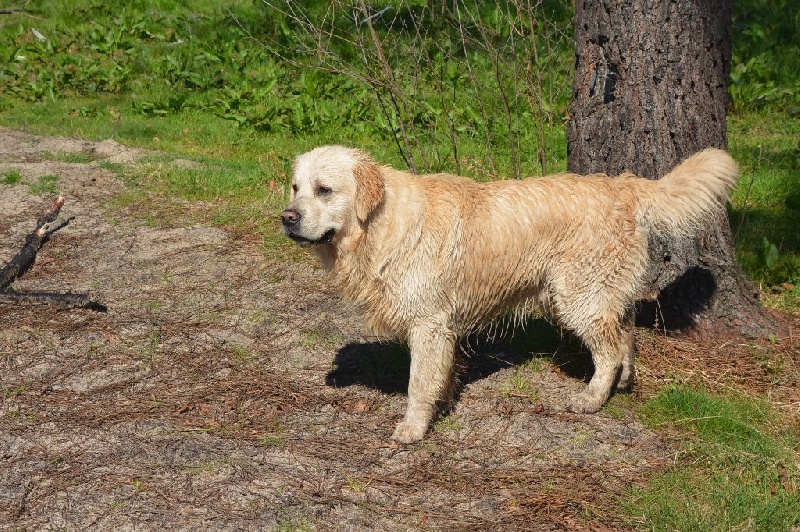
[[765, 70], [452, 75], [740, 469], [311, 69], [766, 216], [766, 203], [774, 267], [172, 60]]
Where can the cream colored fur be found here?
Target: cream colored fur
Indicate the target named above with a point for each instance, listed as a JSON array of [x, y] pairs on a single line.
[[428, 258]]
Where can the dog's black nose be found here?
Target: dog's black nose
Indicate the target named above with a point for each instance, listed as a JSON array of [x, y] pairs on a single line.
[[290, 217]]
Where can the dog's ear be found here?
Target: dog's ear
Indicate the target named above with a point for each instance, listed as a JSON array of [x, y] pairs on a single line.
[[369, 188]]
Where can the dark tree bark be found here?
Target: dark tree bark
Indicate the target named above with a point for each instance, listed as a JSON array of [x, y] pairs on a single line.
[[650, 89]]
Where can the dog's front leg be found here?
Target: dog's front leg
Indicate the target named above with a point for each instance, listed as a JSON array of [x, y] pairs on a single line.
[[432, 355]]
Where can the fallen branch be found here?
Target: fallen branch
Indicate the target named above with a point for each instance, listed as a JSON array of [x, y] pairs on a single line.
[[24, 260], [68, 299]]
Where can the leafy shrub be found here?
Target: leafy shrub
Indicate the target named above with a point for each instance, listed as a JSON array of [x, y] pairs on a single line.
[[283, 67], [766, 56]]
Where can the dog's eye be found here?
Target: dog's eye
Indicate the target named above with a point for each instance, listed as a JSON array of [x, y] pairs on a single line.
[[294, 187], [323, 190]]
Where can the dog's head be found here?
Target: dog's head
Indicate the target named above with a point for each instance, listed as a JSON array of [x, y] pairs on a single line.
[[334, 192]]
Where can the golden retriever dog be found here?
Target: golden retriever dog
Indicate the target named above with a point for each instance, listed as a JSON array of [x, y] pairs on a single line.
[[429, 258]]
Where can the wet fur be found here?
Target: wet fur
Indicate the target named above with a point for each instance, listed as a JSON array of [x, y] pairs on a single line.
[[429, 258]]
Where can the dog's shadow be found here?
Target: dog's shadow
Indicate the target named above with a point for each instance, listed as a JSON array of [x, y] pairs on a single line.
[[384, 366]]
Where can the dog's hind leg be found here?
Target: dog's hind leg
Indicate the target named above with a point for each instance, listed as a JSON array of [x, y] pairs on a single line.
[[432, 348], [628, 372], [605, 339]]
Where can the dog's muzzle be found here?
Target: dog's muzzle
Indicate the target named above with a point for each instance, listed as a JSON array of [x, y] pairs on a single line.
[[291, 218]]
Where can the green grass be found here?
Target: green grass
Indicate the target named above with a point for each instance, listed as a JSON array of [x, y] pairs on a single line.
[[239, 90], [81, 158], [102, 69], [46, 185], [737, 468], [519, 384], [12, 177], [766, 56], [766, 204]]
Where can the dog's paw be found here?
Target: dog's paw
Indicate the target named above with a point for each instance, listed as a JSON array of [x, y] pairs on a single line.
[[584, 403], [407, 432], [626, 378]]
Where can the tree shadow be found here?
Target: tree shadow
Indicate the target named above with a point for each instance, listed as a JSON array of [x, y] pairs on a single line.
[[384, 366], [679, 302]]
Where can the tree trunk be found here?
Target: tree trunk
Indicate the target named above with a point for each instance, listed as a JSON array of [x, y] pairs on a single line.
[[650, 89]]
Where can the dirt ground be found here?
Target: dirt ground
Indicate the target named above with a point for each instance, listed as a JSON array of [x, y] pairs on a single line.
[[226, 391]]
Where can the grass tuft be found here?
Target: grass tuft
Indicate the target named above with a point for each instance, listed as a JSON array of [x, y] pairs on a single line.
[[46, 185], [12, 177]]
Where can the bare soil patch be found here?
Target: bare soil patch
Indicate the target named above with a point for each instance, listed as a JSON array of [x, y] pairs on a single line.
[[225, 390]]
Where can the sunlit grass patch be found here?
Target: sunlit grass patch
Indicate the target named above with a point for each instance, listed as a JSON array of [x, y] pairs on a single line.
[[45, 185], [68, 157], [737, 467], [12, 177]]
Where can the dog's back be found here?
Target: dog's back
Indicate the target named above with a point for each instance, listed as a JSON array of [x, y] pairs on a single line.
[[577, 241]]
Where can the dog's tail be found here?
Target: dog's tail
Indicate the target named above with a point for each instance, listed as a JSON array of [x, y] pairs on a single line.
[[692, 194]]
